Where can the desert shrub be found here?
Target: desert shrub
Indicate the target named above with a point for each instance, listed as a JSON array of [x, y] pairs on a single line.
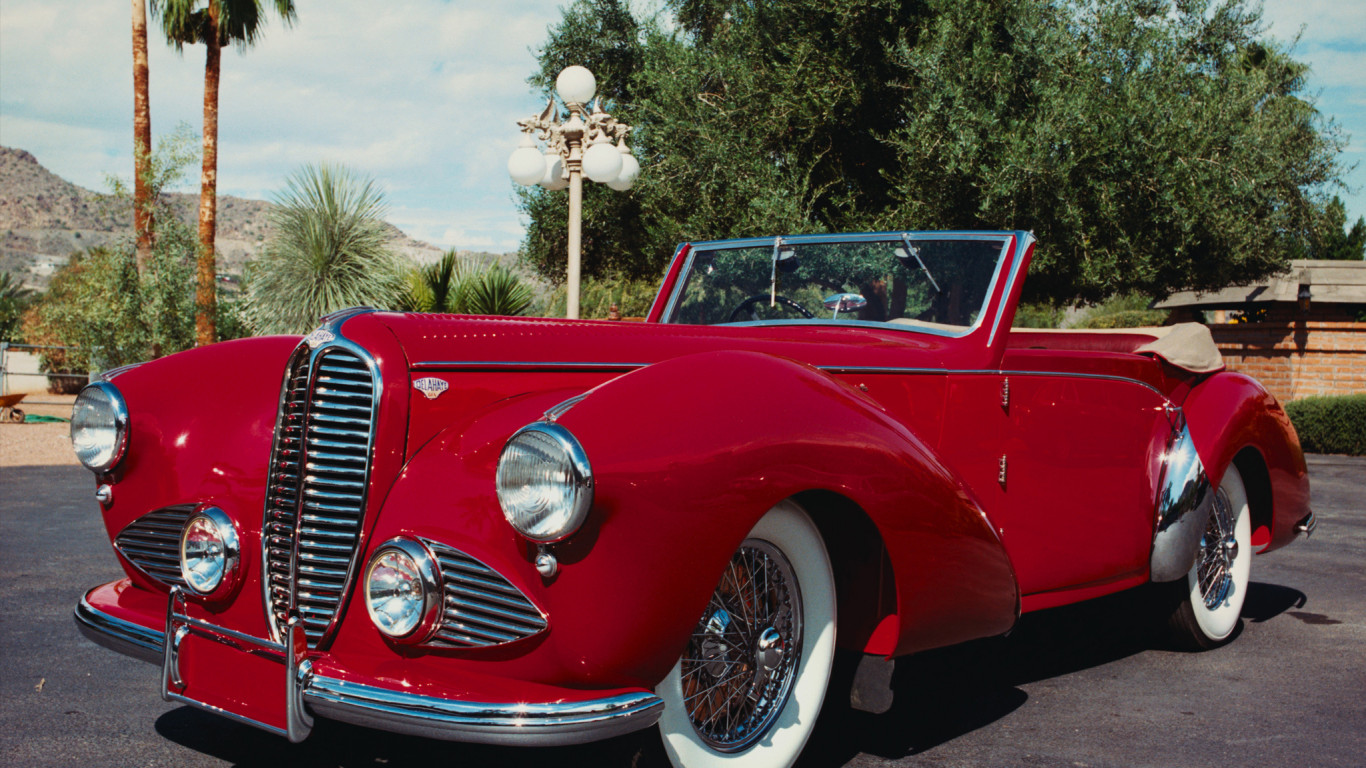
[[99, 307], [597, 295], [1330, 424], [1125, 310], [466, 287], [1039, 315]]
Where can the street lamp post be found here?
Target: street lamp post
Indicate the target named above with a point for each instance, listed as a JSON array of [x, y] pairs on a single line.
[[581, 145]]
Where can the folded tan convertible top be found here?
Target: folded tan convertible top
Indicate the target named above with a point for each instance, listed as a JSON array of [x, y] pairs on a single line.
[[1188, 346]]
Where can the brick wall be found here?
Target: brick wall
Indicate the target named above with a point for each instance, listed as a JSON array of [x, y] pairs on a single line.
[[1296, 356]]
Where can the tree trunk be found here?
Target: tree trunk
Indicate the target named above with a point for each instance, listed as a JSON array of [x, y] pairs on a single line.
[[206, 299], [143, 223]]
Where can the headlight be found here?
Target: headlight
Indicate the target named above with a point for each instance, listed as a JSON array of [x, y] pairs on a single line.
[[545, 484], [99, 426], [209, 551], [403, 590]]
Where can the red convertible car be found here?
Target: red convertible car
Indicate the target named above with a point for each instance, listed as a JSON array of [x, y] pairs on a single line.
[[533, 531]]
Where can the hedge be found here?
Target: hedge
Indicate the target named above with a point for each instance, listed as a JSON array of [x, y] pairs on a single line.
[[1330, 424]]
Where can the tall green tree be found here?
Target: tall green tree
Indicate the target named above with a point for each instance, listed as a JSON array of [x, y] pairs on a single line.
[[214, 24], [329, 251], [1332, 239], [1152, 145]]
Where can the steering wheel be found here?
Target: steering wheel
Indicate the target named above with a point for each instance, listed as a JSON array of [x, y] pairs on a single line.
[[748, 303]]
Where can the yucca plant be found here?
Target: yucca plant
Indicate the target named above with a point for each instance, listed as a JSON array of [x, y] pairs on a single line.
[[433, 288], [493, 289], [329, 252], [466, 288]]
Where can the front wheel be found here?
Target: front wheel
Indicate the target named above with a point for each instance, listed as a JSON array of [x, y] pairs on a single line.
[[751, 681], [1214, 590]]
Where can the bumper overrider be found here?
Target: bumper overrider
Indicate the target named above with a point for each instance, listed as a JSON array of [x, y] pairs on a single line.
[[307, 692]]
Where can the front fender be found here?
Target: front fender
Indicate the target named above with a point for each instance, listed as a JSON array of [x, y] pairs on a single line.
[[687, 455], [1230, 412]]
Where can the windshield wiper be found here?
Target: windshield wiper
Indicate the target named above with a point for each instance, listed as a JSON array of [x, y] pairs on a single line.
[[915, 253]]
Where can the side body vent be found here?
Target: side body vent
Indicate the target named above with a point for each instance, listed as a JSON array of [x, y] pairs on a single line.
[[481, 607], [319, 472], [152, 544]]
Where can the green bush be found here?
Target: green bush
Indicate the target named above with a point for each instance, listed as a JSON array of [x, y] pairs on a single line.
[[597, 295], [465, 287], [1330, 424], [1125, 310]]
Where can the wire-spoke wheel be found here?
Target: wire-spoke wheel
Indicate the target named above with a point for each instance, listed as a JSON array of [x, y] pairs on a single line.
[[751, 680], [1216, 586]]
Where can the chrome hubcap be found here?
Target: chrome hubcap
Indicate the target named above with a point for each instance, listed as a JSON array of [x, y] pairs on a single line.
[[1218, 551], [742, 658]]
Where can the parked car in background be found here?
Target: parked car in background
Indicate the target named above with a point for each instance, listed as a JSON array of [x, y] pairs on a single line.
[[534, 531]]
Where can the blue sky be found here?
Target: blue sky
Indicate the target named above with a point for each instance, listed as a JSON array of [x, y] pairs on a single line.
[[423, 95]]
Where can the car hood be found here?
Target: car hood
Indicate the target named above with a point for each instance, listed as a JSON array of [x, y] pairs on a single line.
[[432, 341]]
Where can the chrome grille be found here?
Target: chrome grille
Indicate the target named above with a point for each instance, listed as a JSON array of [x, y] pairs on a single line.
[[314, 517], [481, 607], [152, 544]]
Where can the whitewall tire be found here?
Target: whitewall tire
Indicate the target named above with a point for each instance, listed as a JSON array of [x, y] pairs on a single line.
[[750, 683], [1216, 586]]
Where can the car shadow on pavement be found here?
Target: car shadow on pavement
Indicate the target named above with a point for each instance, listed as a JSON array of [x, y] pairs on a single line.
[[943, 694], [940, 695]]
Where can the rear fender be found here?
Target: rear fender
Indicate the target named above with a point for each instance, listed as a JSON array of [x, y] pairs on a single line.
[[1230, 412]]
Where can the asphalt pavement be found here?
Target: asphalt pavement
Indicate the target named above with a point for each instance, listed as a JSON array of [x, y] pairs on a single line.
[[1087, 686]]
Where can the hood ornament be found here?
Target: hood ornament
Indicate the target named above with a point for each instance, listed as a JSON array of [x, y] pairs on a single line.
[[431, 387], [319, 337]]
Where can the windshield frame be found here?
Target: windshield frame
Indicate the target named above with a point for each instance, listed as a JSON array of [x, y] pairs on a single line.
[[1008, 237]]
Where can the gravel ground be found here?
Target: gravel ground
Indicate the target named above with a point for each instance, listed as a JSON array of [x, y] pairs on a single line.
[[40, 444]]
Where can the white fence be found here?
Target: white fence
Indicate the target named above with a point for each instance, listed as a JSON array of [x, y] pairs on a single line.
[[21, 371]]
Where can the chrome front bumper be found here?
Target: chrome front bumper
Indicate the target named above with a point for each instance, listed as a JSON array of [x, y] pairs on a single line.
[[519, 724]]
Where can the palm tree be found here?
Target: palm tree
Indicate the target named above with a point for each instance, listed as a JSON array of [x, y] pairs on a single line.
[[329, 251], [214, 23], [142, 138]]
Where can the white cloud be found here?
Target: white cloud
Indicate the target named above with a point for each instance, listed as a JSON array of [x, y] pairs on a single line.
[[423, 96]]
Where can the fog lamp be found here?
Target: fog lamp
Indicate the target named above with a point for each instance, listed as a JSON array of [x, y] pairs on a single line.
[[403, 590], [209, 551]]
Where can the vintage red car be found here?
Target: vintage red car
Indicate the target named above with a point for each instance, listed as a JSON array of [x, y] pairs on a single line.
[[535, 531]]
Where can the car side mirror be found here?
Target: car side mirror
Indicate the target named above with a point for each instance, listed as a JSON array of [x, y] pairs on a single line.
[[844, 302]]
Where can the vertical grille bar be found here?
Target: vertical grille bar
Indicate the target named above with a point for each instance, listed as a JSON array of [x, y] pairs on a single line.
[[315, 504]]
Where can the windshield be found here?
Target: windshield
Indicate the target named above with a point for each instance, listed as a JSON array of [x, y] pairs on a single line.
[[934, 283]]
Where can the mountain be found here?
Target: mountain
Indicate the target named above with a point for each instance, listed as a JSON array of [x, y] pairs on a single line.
[[43, 218]]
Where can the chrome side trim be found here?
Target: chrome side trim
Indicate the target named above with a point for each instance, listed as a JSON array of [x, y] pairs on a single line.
[[520, 724], [116, 634], [989, 372], [427, 365], [1183, 504]]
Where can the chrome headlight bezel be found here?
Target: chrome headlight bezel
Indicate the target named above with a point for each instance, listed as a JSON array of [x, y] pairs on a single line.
[[225, 533], [553, 522], [113, 413], [426, 572]]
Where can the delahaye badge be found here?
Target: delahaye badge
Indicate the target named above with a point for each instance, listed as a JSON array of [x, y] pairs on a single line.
[[431, 387], [318, 337]]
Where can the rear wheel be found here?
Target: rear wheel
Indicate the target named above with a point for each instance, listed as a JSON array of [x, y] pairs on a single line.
[[750, 682], [1214, 590]]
